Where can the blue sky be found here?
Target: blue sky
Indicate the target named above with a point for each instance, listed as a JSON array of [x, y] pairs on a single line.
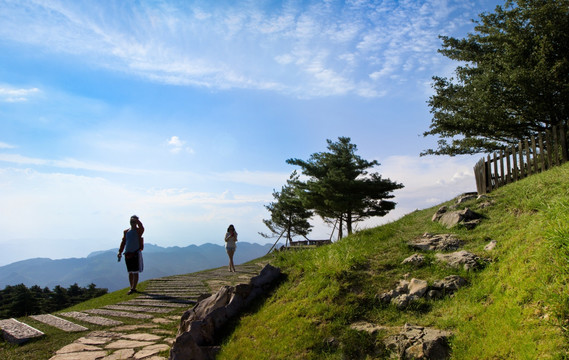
[[184, 112]]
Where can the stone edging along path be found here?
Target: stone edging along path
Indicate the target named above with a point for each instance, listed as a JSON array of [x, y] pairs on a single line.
[[139, 328]]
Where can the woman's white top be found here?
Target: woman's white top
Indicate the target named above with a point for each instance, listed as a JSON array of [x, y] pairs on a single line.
[[230, 240]]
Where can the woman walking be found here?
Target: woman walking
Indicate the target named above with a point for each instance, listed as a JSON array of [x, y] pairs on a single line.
[[230, 246]]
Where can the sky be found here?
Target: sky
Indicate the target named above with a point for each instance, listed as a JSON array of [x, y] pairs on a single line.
[[185, 112]]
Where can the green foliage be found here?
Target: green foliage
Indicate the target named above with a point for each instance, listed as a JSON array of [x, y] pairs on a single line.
[[340, 188], [515, 308], [288, 215], [514, 81], [18, 300]]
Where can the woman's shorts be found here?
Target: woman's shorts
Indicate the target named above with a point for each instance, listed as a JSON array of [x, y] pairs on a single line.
[[134, 263], [230, 250]]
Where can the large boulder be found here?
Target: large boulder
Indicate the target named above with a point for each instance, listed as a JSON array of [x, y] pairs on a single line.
[[198, 326], [436, 242]]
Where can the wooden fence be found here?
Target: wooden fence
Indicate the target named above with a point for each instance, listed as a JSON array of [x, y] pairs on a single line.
[[530, 156]]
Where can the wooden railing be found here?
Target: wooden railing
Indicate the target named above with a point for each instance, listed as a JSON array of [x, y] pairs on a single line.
[[530, 156], [310, 242]]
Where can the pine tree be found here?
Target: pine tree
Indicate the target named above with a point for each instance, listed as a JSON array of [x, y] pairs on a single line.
[[340, 188], [288, 214]]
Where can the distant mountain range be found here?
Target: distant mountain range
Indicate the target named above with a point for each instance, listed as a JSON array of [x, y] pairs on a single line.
[[102, 268]]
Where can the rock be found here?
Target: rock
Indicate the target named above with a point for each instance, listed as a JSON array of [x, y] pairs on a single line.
[[199, 325], [440, 242], [415, 260], [417, 342], [449, 284], [465, 217], [367, 327], [402, 301], [439, 213], [417, 287], [491, 245], [460, 258], [434, 294], [466, 197]]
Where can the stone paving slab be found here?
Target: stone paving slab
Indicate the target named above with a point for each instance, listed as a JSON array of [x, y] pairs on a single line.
[[166, 298], [162, 310], [153, 303], [117, 313], [59, 323], [97, 320], [17, 332]]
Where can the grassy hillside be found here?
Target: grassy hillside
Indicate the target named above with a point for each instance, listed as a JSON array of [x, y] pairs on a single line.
[[516, 307]]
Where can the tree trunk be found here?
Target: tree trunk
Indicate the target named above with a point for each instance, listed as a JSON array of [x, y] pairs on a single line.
[[349, 222], [341, 228]]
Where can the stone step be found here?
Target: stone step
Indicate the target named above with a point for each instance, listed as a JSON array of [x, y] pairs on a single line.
[[161, 310], [59, 323], [117, 313], [97, 320], [17, 332]]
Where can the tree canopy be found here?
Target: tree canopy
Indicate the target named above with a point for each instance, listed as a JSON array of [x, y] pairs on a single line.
[[340, 188], [513, 81], [288, 215]]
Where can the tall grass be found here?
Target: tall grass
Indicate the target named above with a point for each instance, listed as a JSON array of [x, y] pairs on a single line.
[[516, 307]]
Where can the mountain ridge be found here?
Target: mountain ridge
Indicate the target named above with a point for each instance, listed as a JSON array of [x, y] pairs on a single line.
[[102, 269]]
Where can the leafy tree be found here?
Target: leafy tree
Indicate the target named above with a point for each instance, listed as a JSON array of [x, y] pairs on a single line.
[[340, 188], [514, 81], [288, 214]]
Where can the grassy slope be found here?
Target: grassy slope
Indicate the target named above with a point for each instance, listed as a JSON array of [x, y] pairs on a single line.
[[517, 307]]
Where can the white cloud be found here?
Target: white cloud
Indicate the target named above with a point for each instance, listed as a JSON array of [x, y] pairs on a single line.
[[177, 145], [4, 145], [243, 45], [12, 95]]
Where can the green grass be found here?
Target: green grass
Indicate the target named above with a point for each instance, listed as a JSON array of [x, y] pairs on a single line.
[[517, 307]]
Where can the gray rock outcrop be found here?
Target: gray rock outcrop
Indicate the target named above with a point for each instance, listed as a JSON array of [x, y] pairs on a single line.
[[417, 342], [416, 260], [198, 326], [461, 258], [406, 292], [491, 245], [465, 217], [436, 242]]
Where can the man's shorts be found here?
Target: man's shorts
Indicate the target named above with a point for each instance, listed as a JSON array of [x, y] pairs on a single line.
[[134, 263]]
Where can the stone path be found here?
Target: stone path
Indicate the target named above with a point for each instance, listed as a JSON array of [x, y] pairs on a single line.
[[59, 323], [140, 328], [18, 332]]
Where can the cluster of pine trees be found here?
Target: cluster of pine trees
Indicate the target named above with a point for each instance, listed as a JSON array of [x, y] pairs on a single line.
[[18, 300]]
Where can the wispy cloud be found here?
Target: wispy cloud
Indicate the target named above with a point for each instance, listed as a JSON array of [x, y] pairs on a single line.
[[8, 94], [310, 50], [4, 145], [176, 145]]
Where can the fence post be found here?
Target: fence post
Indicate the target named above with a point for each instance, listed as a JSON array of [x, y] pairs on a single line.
[[548, 149], [528, 158], [515, 161], [489, 175], [521, 155], [534, 154], [502, 175], [555, 146], [563, 142], [508, 166], [541, 153], [496, 176]]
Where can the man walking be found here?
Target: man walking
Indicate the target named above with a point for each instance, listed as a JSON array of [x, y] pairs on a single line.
[[133, 243]]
